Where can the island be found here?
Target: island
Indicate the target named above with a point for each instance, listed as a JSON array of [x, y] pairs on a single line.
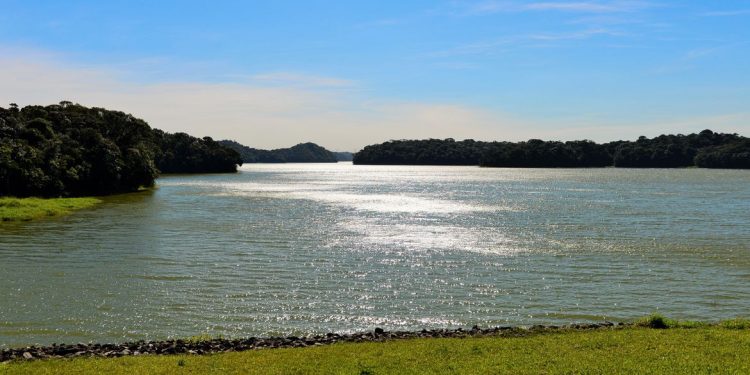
[[301, 153], [706, 149]]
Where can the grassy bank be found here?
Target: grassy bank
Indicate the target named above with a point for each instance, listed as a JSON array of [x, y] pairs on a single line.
[[25, 209], [705, 349]]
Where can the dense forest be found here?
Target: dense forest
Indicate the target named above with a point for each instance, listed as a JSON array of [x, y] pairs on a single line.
[[705, 149], [183, 153], [301, 153], [71, 150]]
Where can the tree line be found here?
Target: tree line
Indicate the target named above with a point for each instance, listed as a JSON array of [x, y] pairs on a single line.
[[301, 153], [705, 149], [68, 149]]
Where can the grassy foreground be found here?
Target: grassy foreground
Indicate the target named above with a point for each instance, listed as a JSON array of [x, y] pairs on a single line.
[[708, 349], [26, 209]]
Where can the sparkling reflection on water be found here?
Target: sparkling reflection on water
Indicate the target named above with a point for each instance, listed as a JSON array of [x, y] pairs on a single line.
[[299, 249]]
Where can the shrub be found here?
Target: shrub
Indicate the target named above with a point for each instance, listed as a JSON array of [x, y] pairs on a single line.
[[656, 321]]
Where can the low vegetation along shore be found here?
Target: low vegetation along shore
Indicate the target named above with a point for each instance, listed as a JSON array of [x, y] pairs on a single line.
[[651, 345], [26, 209]]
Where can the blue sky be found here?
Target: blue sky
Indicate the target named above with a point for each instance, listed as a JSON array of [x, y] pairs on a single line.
[[349, 73]]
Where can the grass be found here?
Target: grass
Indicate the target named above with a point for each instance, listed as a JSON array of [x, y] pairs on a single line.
[[736, 324], [639, 350], [659, 321], [202, 338], [26, 209]]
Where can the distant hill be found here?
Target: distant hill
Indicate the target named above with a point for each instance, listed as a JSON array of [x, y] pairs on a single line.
[[301, 153], [344, 156], [705, 149]]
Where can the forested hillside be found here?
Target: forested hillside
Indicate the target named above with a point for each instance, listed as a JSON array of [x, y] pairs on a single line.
[[67, 149], [183, 153], [705, 149], [301, 153]]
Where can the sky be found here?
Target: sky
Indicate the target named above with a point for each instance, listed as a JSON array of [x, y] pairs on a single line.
[[345, 74]]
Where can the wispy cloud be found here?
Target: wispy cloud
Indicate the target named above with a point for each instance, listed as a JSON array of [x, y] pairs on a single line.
[[603, 19], [691, 58], [252, 112], [584, 34], [727, 13], [282, 114], [699, 53], [475, 48], [383, 22], [457, 65], [486, 7], [498, 45], [298, 79], [583, 7]]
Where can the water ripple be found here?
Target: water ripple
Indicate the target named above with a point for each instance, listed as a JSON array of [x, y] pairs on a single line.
[[303, 249]]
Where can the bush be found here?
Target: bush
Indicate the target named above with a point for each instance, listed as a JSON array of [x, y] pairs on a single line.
[[656, 321]]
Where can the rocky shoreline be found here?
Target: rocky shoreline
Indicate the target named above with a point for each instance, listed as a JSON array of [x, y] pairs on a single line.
[[235, 345]]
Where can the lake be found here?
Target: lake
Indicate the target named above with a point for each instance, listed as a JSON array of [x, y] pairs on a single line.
[[300, 249]]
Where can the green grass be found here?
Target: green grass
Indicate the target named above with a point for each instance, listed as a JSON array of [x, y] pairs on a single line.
[[638, 350], [659, 321], [26, 209], [736, 324], [202, 338]]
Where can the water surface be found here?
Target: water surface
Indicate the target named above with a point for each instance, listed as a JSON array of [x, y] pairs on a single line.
[[301, 249]]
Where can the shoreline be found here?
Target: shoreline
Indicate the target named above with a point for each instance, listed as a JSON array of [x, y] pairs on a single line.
[[637, 348], [221, 345], [198, 345]]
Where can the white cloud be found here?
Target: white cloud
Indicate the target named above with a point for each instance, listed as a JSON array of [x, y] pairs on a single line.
[[588, 7], [623, 6], [584, 34], [727, 13], [296, 79], [690, 59], [294, 108], [282, 115], [504, 44]]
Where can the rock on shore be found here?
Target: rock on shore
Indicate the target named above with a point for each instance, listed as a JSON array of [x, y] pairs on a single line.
[[252, 343]]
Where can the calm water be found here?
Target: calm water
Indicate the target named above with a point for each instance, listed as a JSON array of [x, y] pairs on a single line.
[[299, 249]]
